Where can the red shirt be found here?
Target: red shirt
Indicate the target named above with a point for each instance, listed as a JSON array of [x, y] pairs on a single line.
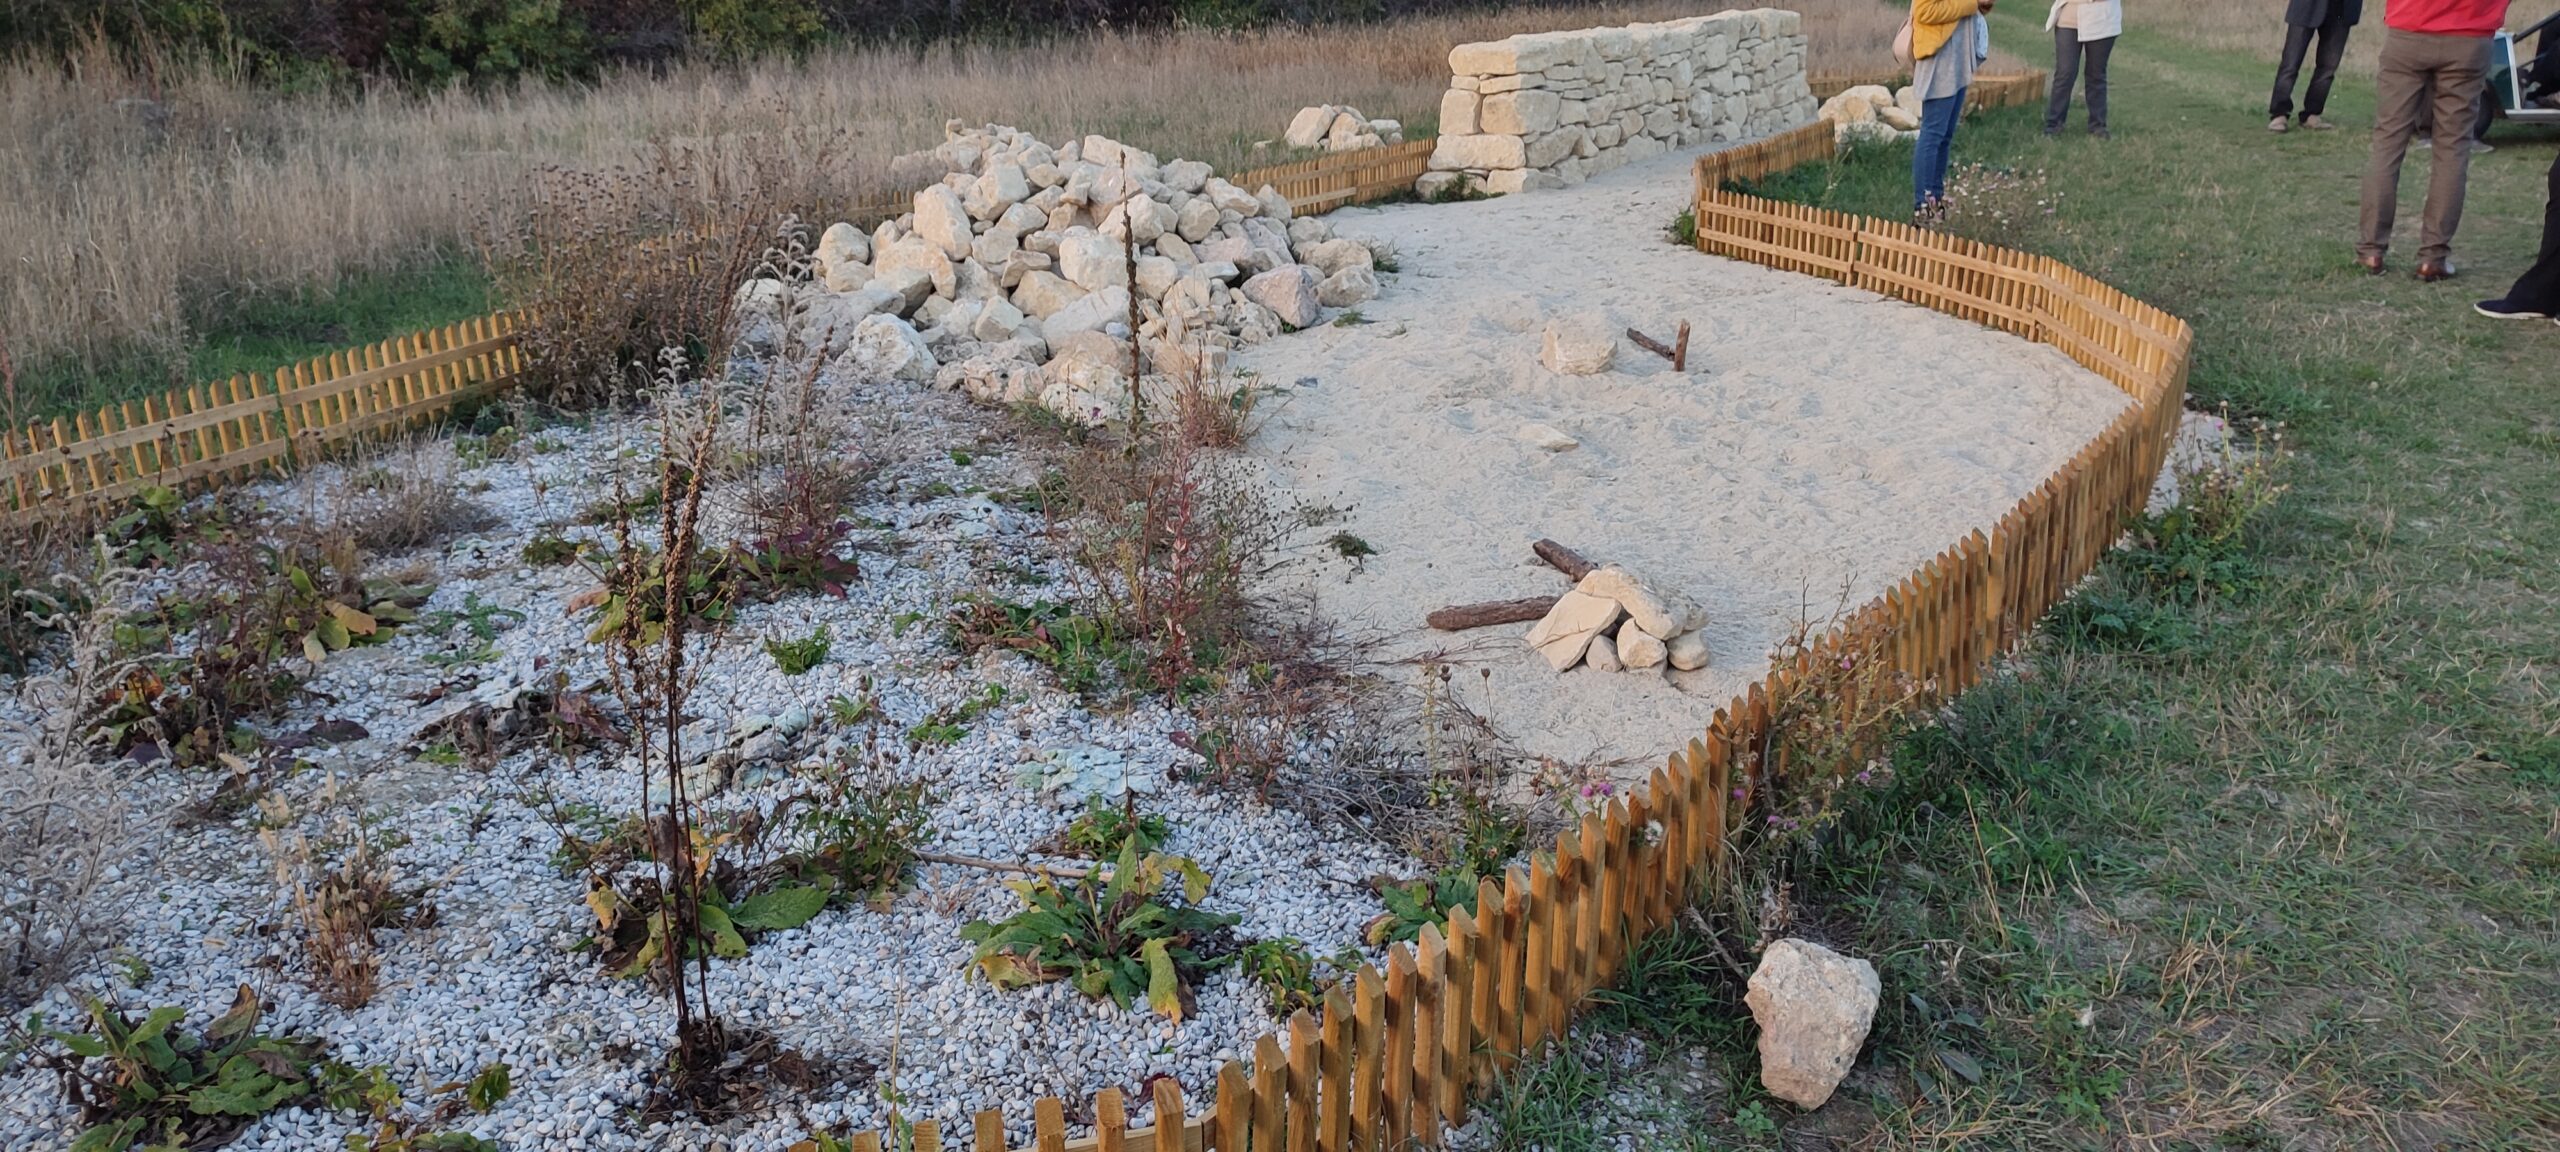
[[2447, 17]]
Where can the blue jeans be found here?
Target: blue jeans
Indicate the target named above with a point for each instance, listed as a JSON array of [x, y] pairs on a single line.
[[1937, 144]]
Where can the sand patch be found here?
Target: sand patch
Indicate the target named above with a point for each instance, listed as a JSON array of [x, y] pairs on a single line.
[[1825, 442]]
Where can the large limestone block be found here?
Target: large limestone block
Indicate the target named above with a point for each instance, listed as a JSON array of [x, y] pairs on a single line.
[[1581, 344], [1510, 56], [1042, 294], [1814, 1007], [1452, 153], [1196, 220], [908, 287], [1186, 175], [1688, 653], [1347, 288], [1331, 256], [942, 220], [1528, 112], [886, 348], [1289, 291], [1663, 613], [918, 254], [1638, 649], [1002, 187], [1564, 635], [1307, 128], [1091, 260], [1091, 312], [844, 247]]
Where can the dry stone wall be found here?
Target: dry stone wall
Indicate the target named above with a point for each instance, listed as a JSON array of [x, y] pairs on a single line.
[[1553, 108]]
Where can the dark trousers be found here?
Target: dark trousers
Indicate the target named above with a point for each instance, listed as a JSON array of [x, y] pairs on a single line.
[[2539, 288], [2324, 67], [2068, 49]]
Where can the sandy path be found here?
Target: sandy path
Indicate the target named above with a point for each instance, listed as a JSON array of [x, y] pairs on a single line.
[[1825, 440]]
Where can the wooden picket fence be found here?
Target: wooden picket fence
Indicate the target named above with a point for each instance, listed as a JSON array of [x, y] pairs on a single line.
[[1320, 185], [1811, 142], [227, 429]]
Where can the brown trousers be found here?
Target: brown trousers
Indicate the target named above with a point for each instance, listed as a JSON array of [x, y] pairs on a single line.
[[2418, 67]]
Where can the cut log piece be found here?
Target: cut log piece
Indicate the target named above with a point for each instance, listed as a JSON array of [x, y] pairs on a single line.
[[1460, 617], [1565, 560]]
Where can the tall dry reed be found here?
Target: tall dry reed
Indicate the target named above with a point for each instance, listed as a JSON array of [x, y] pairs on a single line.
[[141, 200]]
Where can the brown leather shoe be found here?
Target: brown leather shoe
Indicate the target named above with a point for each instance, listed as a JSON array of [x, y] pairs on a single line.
[[2431, 271], [2372, 265]]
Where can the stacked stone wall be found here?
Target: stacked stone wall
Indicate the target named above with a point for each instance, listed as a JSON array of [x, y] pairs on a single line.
[[1554, 108]]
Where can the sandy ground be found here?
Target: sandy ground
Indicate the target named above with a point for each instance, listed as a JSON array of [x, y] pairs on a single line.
[[1824, 443]]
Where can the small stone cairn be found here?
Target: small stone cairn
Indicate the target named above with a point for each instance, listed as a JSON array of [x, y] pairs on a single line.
[[1873, 114], [1011, 278], [1615, 622], [1340, 128]]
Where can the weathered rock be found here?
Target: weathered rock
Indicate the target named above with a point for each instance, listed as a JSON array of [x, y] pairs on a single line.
[[1579, 344], [1042, 294], [1306, 231], [1638, 649], [1229, 198], [1481, 151], [941, 220], [1307, 128], [886, 348], [1434, 185], [918, 254], [1156, 275], [997, 320], [910, 286], [1187, 175], [1814, 1007], [842, 248], [1347, 288], [1197, 220], [1275, 207], [1024, 218], [1289, 292], [1655, 610], [1545, 437], [757, 306], [1602, 656], [1091, 260], [1564, 636], [1331, 256], [1688, 653], [1897, 119], [1091, 312], [995, 245]]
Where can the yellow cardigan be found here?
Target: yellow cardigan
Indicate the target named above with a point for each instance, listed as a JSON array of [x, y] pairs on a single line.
[[1933, 22]]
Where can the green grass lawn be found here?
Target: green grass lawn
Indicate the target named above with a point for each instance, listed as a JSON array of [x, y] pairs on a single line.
[[2291, 879], [265, 333]]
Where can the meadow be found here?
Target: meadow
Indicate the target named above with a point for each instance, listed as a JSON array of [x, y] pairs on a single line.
[[164, 220]]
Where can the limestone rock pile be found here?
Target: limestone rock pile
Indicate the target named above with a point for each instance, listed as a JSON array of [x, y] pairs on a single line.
[[1616, 622], [1550, 109], [1012, 278], [1340, 128], [1873, 113]]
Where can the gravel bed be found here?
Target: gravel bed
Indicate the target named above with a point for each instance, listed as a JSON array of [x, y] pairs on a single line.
[[496, 975]]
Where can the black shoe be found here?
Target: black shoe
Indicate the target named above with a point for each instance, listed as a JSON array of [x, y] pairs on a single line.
[[2504, 309], [2102, 134]]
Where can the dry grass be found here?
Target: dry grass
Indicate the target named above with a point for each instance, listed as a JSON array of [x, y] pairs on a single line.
[[391, 498], [62, 817], [137, 204]]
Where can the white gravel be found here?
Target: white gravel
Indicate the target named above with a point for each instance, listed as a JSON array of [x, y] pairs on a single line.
[[494, 977]]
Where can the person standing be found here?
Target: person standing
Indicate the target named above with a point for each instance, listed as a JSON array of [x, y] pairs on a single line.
[[2328, 21], [1945, 39], [2536, 295], [2082, 29], [2441, 45]]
